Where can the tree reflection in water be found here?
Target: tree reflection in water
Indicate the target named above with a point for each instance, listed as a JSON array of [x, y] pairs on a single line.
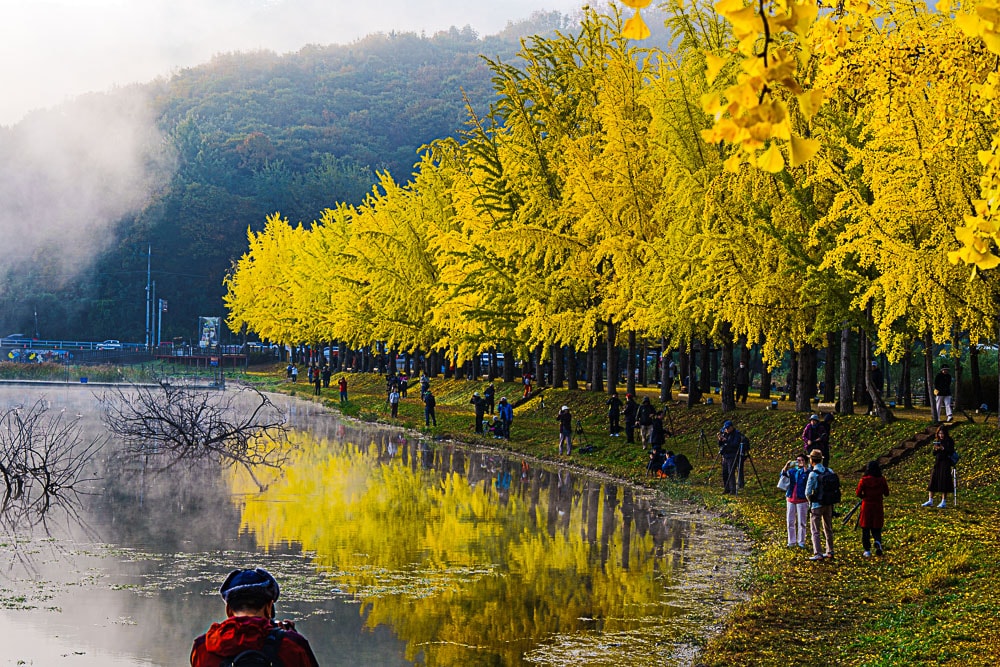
[[470, 556]]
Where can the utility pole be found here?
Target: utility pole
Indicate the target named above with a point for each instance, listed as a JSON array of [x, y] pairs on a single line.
[[149, 295]]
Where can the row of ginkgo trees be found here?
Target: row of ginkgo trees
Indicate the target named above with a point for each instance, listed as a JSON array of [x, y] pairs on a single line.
[[587, 209]]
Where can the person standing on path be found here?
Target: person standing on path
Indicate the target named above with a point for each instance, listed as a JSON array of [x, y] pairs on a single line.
[[394, 401], [429, 403], [565, 418], [942, 393], [872, 489], [506, 413], [796, 505], [631, 410], [614, 414], [742, 383], [820, 513], [941, 480]]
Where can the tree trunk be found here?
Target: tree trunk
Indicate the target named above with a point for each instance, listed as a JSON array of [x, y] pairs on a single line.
[[684, 367], [630, 365], [977, 381], [571, 370], [692, 379], [904, 390], [597, 371], [666, 391], [792, 379], [765, 380], [929, 374], [846, 403], [860, 371], [728, 389], [830, 369], [558, 373], [706, 367], [508, 366], [803, 391], [643, 370], [612, 358]]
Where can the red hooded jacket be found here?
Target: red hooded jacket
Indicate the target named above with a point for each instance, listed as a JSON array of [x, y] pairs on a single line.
[[243, 633]]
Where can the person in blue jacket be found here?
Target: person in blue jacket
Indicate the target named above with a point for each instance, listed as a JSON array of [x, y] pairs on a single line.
[[506, 413]]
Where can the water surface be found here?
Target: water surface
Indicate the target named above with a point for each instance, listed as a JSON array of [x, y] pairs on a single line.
[[390, 550]]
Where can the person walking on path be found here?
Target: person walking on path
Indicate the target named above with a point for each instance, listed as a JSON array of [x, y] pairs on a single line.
[[614, 414], [342, 385], [941, 480], [394, 402], [820, 510], [429, 403], [796, 505], [565, 418], [506, 413], [872, 489], [250, 628], [630, 411], [942, 393]]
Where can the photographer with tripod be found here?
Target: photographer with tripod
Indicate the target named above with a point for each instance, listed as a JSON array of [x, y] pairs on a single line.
[[734, 448]]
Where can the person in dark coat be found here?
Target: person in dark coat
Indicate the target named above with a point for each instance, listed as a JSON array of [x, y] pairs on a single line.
[[488, 395], [565, 419], [733, 448], [657, 437], [742, 383], [630, 411], [614, 414], [941, 481], [645, 418], [872, 489], [942, 393], [480, 407]]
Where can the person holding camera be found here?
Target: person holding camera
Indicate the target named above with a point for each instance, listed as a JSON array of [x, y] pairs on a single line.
[[796, 505], [941, 480], [942, 393], [733, 448], [872, 489], [565, 418]]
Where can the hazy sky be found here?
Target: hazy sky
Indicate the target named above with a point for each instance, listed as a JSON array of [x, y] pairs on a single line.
[[53, 50]]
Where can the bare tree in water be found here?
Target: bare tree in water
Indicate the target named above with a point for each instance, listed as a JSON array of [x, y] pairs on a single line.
[[170, 425], [43, 460]]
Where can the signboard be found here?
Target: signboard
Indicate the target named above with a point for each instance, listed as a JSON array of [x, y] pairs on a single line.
[[208, 331]]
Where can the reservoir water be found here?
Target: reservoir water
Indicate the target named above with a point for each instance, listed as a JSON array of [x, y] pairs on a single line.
[[390, 550]]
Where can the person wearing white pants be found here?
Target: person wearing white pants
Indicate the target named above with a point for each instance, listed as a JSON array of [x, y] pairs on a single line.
[[796, 506], [942, 392]]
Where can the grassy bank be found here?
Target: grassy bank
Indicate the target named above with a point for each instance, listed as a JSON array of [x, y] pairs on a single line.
[[928, 600]]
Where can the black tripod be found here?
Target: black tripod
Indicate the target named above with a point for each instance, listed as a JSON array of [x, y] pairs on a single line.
[[582, 438], [737, 471], [703, 450]]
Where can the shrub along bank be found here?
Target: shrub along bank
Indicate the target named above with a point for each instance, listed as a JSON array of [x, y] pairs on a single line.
[[928, 600]]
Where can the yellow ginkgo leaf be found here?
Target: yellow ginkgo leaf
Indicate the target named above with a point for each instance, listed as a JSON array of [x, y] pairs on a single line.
[[802, 150], [635, 28], [733, 163], [771, 160], [714, 65], [809, 102], [636, 4]]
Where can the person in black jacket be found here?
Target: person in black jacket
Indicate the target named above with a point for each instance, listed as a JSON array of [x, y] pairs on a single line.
[[614, 414], [645, 419], [488, 394], [742, 383], [480, 406], [631, 410], [941, 480], [942, 393], [734, 449], [565, 418], [429, 403]]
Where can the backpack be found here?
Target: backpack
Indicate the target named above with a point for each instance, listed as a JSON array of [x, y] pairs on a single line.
[[266, 657], [954, 457], [827, 488]]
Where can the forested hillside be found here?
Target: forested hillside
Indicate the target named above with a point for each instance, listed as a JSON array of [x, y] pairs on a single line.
[[248, 135]]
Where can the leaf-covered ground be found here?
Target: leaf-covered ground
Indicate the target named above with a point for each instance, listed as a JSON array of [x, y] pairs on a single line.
[[929, 600]]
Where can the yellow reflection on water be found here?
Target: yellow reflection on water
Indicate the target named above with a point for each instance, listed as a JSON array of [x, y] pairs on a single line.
[[467, 554]]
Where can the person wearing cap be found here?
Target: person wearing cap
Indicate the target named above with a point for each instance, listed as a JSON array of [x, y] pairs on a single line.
[[733, 448], [565, 418], [814, 437], [480, 406], [942, 393], [250, 596], [506, 413]]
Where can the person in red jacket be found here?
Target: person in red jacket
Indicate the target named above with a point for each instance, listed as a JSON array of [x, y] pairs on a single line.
[[250, 596], [872, 489]]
